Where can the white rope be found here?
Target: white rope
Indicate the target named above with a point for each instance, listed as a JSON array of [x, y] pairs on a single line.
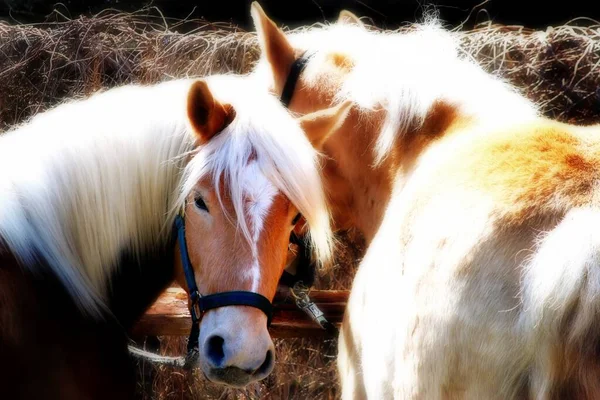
[[179, 362]]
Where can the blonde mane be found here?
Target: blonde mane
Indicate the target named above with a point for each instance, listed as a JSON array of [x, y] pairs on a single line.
[[90, 179], [266, 130], [407, 71], [87, 180]]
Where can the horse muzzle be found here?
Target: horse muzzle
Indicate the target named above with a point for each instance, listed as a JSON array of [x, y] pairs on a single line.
[[235, 346]]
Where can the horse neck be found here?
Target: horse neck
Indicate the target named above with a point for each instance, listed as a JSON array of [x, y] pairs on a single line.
[[358, 190], [79, 204], [360, 185]]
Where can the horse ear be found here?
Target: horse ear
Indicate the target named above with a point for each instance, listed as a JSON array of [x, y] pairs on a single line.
[[347, 17], [274, 46], [318, 126], [206, 114]]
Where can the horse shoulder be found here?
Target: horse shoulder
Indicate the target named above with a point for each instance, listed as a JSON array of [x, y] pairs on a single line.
[[527, 170]]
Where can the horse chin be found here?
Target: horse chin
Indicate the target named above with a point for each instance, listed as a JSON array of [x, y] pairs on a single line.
[[233, 377]]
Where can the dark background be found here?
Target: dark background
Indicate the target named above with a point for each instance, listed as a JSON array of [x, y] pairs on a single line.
[[385, 13]]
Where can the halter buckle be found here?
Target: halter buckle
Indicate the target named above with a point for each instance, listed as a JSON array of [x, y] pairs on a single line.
[[195, 310], [303, 302]]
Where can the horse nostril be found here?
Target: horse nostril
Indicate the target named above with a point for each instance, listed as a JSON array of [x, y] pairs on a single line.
[[266, 365], [214, 350]]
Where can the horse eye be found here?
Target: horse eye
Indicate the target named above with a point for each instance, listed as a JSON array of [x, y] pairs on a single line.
[[296, 219], [200, 203]]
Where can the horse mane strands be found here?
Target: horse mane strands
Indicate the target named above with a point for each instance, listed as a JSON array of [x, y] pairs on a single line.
[[78, 189]]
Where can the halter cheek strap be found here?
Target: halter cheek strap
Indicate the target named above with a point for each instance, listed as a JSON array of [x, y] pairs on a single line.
[[292, 79]]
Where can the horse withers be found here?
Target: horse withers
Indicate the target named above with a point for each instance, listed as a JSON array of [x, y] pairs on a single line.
[[89, 193]]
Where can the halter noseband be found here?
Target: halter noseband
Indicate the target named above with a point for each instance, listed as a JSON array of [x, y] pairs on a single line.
[[201, 304]]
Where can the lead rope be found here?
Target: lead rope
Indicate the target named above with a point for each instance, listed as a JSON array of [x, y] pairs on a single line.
[[188, 363]]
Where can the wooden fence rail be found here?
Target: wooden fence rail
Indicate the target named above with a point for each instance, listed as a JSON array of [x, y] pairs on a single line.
[[169, 315]]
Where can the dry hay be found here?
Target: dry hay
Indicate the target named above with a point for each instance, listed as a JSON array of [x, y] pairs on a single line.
[[557, 68], [42, 65]]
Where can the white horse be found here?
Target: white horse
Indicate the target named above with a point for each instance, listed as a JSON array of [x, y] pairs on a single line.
[[482, 275]]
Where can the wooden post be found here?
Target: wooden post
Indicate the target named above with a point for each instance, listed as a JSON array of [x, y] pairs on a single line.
[[169, 315]]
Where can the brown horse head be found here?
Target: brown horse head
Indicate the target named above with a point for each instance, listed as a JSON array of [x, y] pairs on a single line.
[[247, 186]]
